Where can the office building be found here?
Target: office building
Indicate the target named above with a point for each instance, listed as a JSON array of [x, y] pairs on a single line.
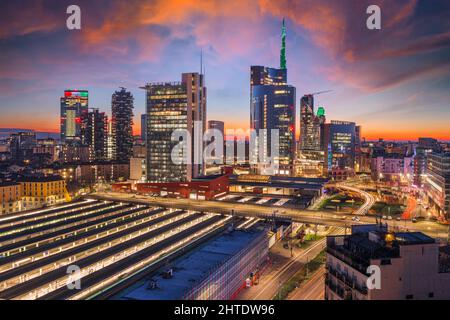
[[272, 107], [310, 161], [437, 184], [96, 134], [175, 106], [122, 125], [340, 137], [143, 127], [411, 266], [74, 111], [220, 126], [21, 146], [309, 125]]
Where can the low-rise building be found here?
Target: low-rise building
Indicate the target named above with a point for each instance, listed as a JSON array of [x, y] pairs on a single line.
[[201, 188], [42, 191], [76, 153], [392, 167], [10, 197], [411, 266], [138, 169], [91, 173]]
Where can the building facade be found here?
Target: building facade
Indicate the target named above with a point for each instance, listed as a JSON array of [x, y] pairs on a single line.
[[392, 167], [41, 191], [10, 197], [272, 107], [96, 134], [170, 107], [309, 125], [410, 263], [437, 184], [122, 125], [73, 153], [74, 111], [340, 137], [21, 145], [143, 127], [220, 126]]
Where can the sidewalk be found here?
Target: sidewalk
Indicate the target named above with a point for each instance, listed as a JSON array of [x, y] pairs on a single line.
[[282, 268]]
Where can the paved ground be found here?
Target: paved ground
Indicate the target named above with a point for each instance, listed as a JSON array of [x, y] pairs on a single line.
[[314, 289], [281, 270]]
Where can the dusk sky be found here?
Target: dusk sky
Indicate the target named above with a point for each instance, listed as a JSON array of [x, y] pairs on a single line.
[[395, 82]]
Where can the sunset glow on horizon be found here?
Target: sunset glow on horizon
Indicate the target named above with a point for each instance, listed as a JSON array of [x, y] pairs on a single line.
[[393, 82]]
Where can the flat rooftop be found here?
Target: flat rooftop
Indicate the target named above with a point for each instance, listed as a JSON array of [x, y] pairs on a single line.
[[190, 269]]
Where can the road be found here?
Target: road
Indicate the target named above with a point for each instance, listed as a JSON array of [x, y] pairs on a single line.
[[314, 289], [283, 269], [253, 210], [369, 200], [270, 281]]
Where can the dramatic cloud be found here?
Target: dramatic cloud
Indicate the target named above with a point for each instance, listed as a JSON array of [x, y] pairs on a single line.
[[131, 42]]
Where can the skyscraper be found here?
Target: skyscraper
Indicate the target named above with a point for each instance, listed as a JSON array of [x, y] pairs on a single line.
[[74, 110], [310, 161], [272, 106], [340, 148], [122, 125], [96, 133], [220, 126], [309, 125], [21, 145], [143, 127], [172, 106]]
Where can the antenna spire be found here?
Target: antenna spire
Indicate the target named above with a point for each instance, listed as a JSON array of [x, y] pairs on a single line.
[[201, 61], [283, 47]]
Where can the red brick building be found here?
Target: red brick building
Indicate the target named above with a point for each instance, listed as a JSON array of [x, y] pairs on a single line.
[[204, 188]]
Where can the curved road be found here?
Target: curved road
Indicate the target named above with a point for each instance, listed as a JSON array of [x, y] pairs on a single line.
[[369, 199]]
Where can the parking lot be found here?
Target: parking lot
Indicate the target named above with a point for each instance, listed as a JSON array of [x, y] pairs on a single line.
[[299, 202]]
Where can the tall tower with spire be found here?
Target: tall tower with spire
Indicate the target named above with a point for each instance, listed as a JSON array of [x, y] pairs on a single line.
[[283, 47], [272, 107]]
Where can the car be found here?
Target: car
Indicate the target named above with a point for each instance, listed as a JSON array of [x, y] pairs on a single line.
[[384, 217], [398, 219], [389, 217], [414, 220]]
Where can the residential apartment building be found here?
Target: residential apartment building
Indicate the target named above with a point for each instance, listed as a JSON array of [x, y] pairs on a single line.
[[411, 266]]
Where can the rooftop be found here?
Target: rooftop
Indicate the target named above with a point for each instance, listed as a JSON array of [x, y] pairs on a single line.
[[190, 269], [40, 179], [368, 242]]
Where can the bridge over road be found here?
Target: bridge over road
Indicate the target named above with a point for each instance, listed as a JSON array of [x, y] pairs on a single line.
[[252, 210]]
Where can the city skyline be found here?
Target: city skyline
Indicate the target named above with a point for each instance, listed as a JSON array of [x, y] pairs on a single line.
[[393, 82]]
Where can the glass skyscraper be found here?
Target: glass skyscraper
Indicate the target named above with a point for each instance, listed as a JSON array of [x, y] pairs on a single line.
[[340, 151], [172, 106], [272, 106], [96, 134], [74, 116]]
